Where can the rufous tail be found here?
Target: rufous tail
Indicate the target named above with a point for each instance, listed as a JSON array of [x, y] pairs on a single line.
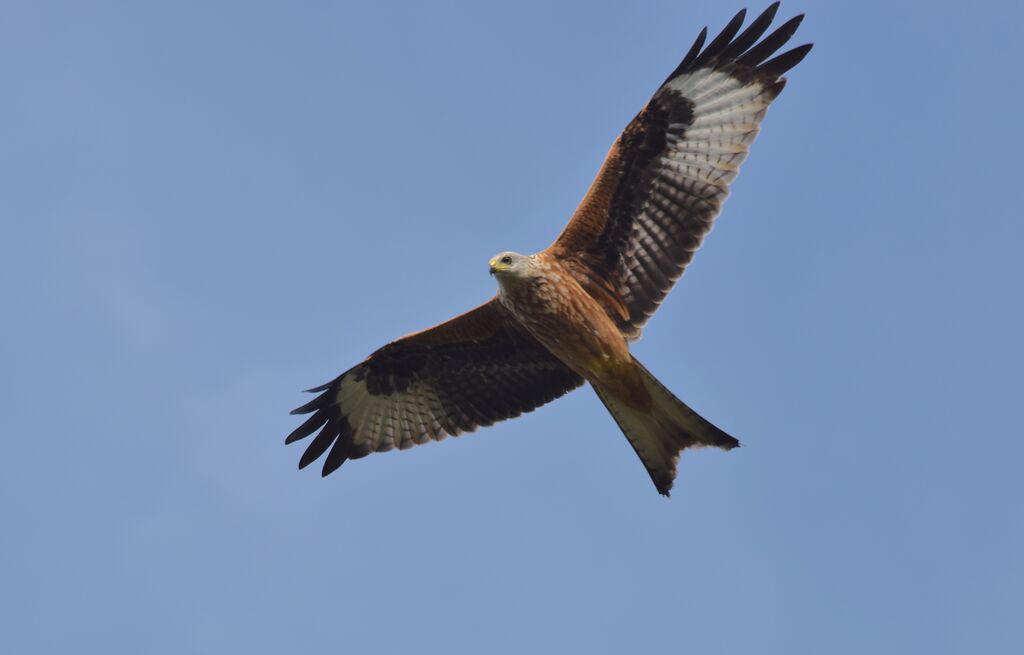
[[659, 432]]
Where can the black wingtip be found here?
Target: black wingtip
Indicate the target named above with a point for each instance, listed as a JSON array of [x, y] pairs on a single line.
[[327, 436], [779, 65], [340, 452], [771, 43], [744, 52], [316, 403], [308, 458], [311, 425], [749, 37], [698, 43], [312, 405], [721, 42], [691, 55], [332, 464]]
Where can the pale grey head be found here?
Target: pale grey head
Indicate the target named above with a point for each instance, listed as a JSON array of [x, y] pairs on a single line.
[[506, 266]]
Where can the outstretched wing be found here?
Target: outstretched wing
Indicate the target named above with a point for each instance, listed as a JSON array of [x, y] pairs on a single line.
[[472, 371], [665, 178]]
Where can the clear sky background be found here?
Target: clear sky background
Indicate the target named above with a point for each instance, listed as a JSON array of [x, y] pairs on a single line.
[[207, 207]]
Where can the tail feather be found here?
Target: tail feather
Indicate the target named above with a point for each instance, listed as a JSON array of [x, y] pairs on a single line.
[[659, 433]]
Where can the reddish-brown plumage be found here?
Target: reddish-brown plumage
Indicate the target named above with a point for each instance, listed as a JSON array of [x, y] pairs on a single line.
[[574, 326], [567, 314]]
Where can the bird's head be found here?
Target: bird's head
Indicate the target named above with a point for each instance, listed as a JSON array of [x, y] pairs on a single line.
[[506, 265]]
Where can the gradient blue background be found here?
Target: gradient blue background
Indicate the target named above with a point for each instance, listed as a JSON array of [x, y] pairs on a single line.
[[208, 207]]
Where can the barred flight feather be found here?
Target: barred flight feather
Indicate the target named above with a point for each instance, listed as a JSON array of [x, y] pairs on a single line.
[[666, 177]]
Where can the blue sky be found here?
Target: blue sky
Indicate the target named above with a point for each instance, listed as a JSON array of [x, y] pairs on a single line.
[[208, 207]]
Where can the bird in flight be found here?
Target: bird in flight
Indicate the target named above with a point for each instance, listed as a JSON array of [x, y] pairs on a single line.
[[565, 315]]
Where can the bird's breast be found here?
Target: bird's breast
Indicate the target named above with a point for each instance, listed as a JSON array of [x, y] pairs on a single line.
[[559, 313]]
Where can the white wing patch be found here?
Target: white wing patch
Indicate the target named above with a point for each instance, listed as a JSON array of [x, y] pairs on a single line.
[[701, 159], [399, 420], [727, 114]]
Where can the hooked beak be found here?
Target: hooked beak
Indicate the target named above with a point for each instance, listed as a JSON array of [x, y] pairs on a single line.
[[491, 269]]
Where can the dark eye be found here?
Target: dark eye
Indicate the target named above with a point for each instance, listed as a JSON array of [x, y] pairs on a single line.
[[506, 260]]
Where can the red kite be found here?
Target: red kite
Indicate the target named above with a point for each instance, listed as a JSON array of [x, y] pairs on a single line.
[[566, 315]]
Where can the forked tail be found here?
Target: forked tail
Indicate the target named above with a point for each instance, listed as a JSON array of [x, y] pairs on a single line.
[[659, 432]]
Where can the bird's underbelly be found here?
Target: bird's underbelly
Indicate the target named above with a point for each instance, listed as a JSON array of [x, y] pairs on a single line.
[[572, 325]]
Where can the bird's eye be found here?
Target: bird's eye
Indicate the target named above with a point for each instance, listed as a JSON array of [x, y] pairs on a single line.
[[506, 260]]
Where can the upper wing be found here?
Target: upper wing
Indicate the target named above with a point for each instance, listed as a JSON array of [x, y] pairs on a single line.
[[665, 178], [471, 371]]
